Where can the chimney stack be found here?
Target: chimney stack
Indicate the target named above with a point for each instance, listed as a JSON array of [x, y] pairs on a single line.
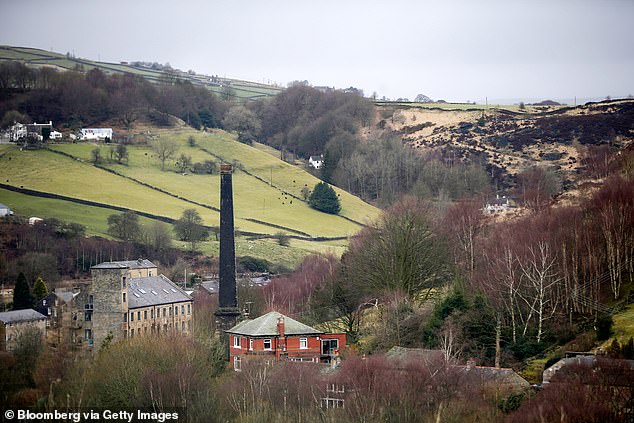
[[281, 343], [227, 314]]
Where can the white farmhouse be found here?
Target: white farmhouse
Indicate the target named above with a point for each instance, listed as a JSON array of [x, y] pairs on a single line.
[[316, 161], [95, 134]]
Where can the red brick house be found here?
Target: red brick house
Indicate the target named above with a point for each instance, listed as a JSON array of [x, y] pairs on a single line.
[[278, 337]]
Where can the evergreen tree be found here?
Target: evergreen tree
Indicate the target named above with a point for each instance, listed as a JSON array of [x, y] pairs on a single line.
[[40, 290], [328, 167], [324, 198], [22, 297]]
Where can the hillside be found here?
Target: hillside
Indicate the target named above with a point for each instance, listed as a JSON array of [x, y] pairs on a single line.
[[508, 140], [267, 191], [239, 90]]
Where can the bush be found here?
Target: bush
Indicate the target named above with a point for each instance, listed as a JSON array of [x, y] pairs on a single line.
[[604, 327], [254, 264]]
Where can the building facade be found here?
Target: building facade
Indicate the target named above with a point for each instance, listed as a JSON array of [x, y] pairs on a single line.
[[96, 133], [276, 337], [127, 299], [12, 323]]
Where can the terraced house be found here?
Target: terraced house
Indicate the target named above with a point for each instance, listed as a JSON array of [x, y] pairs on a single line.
[[127, 299]]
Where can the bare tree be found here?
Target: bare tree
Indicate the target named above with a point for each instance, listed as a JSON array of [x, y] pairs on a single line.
[[540, 273], [165, 148]]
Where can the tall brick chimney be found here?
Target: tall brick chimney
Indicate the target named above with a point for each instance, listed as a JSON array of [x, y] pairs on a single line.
[[281, 342], [227, 314]]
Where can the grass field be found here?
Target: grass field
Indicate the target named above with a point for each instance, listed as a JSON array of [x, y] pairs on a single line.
[[623, 327], [93, 218], [255, 198]]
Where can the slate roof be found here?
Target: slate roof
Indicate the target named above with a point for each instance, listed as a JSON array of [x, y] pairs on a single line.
[[267, 326], [154, 290], [128, 264], [16, 316], [211, 287]]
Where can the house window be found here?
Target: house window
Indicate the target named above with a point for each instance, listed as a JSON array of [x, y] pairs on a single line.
[[124, 281], [152, 314], [145, 315], [171, 311], [337, 389], [332, 403], [138, 315], [189, 309], [132, 316], [131, 333], [125, 317], [329, 346], [303, 343], [176, 310], [182, 326], [236, 341], [90, 299], [237, 364], [124, 297], [250, 344], [88, 336], [88, 316], [183, 309], [164, 312], [267, 344]]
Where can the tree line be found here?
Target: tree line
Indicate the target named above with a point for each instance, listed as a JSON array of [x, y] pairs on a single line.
[[74, 99]]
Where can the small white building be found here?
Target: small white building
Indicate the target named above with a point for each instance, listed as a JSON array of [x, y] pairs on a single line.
[[55, 135], [17, 132], [34, 220], [88, 134], [497, 205], [316, 161], [5, 210]]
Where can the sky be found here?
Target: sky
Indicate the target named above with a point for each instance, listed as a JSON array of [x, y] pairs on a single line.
[[455, 50]]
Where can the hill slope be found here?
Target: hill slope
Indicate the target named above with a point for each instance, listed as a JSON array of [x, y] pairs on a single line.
[[267, 191], [239, 90]]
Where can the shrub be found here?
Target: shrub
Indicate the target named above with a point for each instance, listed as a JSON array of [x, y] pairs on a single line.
[[254, 264]]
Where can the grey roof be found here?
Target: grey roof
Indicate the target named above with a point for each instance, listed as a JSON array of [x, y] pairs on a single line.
[[2, 206], [267, 326], [211, 287], [154, 290], [27, 315], [127, 264], [65, 296]]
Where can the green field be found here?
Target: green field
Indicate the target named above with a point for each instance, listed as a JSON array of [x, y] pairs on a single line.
[[93, 218], [261, 205], [623, 327]]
